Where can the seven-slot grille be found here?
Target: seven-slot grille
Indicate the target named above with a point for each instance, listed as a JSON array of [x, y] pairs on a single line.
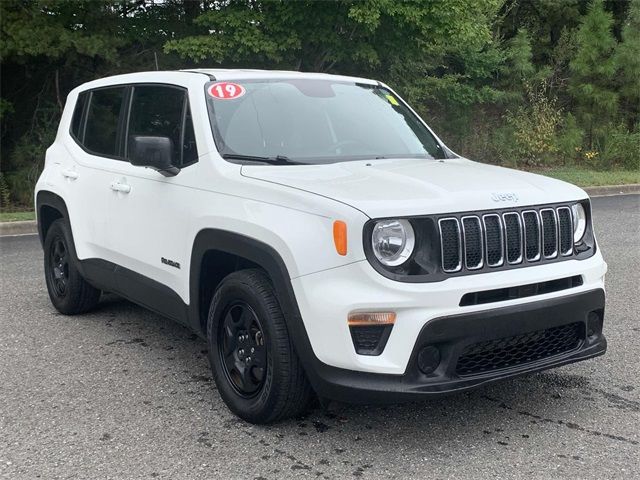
[[472, 242]]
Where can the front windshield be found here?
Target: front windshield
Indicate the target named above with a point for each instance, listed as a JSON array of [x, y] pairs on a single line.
[[315, 121]]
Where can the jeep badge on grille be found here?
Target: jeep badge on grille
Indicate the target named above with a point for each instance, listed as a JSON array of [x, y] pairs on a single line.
[[504, 197]]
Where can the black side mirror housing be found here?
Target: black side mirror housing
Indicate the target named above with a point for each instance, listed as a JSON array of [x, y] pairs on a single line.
[[153, 152]]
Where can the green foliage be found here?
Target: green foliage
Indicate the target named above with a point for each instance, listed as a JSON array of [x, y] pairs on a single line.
[[570, 139], [529, 135], [627, 61], [518, 66], [5, 193], [27, 157], [57, 28], [523, 83], [593, 69], [622, 149]]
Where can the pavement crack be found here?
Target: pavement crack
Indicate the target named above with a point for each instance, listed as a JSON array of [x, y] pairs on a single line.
[[571, 425]]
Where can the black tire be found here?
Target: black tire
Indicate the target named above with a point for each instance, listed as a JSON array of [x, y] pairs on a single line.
[[68, 291], [246, 300]]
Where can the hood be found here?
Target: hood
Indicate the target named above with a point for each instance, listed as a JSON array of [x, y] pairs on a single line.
[[404, 187]]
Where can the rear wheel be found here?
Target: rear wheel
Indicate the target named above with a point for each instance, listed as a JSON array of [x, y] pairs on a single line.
[[254, 364], [68, 291]]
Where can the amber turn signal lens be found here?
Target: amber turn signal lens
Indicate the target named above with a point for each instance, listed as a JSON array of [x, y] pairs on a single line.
[[371, 318], [340, 236]]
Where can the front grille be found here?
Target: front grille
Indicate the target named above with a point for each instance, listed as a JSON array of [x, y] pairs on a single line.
[[513, 232], [565, 230], [531, 235], [549, 233], [520, 349], [451, 248], [472, 242], [491, 240]]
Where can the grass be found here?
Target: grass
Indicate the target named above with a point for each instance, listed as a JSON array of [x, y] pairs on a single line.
[[592, 178], [17, 216]]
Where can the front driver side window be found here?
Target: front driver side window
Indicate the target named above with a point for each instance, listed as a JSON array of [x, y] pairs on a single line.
[[162, 111]]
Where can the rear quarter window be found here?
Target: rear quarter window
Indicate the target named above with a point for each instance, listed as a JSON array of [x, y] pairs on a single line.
[[78, 111]]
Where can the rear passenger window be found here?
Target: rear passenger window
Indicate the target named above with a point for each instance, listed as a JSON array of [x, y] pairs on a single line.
[[101, 131], [77, 115], [159, 111]]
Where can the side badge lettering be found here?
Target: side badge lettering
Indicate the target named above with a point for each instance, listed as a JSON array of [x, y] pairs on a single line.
[[171, 263]]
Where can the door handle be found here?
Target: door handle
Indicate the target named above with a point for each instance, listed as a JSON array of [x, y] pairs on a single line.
[[70, 174], [120, 187]]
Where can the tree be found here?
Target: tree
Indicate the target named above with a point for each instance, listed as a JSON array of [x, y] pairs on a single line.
[[628, 67], [593, 70]]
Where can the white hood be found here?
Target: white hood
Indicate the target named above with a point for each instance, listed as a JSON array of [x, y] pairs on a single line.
[[388, 188]]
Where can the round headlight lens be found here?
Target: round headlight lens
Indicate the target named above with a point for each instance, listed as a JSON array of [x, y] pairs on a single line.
[[393, 241], [579, 222]]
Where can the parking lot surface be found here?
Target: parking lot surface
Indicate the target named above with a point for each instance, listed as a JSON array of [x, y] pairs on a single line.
[[124, 393]]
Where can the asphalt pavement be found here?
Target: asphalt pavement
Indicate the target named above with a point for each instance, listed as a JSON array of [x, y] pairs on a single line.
[[122, 393]]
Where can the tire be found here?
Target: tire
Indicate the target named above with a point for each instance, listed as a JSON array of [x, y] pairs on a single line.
[[70, 294], [246, 321]]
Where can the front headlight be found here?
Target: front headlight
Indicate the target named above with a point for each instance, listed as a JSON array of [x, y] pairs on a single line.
[[579, 222], [393, 241]]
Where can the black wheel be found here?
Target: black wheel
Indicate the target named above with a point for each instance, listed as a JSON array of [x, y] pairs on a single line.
[[68, 291], [254, 364]]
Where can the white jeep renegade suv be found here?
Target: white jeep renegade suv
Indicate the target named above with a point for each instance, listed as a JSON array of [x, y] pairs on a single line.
[[318, 234]]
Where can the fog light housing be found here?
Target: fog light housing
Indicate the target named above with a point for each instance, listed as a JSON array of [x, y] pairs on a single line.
[[594, 322], [428, 359], [370, 331]]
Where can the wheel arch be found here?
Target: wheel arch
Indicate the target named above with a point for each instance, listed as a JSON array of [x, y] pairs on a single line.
[[216, 253], [49, 208], [261, 255]]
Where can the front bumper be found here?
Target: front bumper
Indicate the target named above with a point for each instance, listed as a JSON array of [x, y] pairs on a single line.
[[325, 299], [451, 334]]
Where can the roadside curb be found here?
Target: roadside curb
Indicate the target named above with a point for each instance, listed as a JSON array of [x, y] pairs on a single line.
[[612, 190], [18, 228]]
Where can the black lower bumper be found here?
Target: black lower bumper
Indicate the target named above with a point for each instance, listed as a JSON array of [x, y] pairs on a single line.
[[453, 335]]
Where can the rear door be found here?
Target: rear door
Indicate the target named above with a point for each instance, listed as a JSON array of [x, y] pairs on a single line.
[[97, 146]]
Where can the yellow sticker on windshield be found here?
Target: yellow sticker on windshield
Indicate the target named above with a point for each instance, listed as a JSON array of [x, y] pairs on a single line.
[[392, 100]]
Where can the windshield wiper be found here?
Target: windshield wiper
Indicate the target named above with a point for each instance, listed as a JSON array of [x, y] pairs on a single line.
[[277, 160]]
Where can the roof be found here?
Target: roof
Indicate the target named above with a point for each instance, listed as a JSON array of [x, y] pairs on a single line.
[[250, 74], [186, 77]]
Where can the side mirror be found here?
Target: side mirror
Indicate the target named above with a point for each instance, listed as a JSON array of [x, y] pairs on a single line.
[[153, 152]]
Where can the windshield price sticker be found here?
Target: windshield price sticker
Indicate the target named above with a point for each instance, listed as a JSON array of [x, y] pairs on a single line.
[[226, 90]]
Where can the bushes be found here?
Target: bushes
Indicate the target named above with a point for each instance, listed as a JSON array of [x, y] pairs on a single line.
[[529, 134], [27, 158], [622, 149], [5, 193]]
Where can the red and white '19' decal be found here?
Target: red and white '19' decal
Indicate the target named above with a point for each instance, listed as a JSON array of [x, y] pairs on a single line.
[[226, 90]]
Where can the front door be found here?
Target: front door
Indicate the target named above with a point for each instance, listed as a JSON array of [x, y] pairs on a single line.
[[150, 212]]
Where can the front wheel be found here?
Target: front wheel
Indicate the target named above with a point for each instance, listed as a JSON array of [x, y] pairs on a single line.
[[254, 364], [68, 290]]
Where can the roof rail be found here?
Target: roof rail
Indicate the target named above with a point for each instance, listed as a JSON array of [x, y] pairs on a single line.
[[211, 77]]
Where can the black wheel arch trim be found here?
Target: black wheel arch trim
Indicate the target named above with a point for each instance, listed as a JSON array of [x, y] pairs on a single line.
[[45, 198], [270, 260], [49, 199]]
